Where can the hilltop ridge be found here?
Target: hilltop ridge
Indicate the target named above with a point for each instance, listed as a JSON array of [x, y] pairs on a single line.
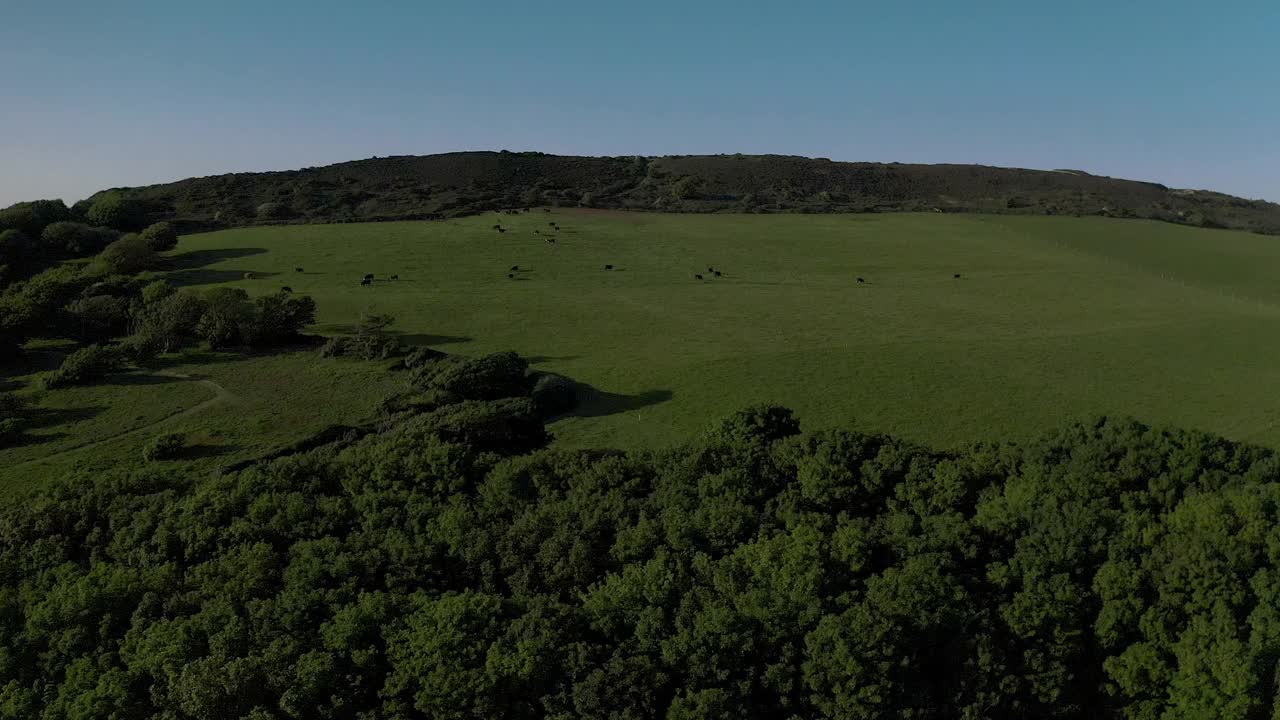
[[463, 183]]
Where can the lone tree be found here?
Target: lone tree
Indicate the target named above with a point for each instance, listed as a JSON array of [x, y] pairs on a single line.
[[161, 236], [114, 210]]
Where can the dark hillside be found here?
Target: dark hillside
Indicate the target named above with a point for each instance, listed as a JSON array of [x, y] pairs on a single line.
[[432, 186]]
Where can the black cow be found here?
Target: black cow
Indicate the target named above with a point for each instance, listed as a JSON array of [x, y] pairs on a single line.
[[515, 268], [717, 273], [366, 281], [956, 276], [551, 240], [368, 276], [286, 289], [711, 269], [608, 267], [697, 277], [297, 269], [497, 227], [395, 277], [861, 280], [546, 210], [502, 230], [551, 224], [511, 276]]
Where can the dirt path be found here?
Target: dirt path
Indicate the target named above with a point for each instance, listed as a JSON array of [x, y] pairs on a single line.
[[220, 395]]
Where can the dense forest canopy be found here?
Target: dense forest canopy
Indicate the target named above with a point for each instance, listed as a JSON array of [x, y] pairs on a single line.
[[451, 184], [448, 568]]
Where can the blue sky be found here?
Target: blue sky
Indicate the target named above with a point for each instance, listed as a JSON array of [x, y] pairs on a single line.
[[95, 94]]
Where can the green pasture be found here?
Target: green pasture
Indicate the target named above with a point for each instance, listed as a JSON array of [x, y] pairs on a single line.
[[1053, 318]]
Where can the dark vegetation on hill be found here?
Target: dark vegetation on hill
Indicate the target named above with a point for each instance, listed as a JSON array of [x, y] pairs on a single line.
[[449, 567], [434, 186]]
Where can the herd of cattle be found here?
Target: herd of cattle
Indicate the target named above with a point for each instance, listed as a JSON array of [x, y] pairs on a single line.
[[555, 227]]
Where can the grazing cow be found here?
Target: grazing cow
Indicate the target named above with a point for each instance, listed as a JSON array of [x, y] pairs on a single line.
[[502, 230], [248, 276], [537, 232], [368, 276], [711, 269], [366, 281], [497, 227], [551, 224], [717, 273], [551, 240], [956, 276], [515, 268], [697, 277], [861, 280], [511, 276], [608, 267], [286, 289], [546, 210], [395, 277], [297, 269]]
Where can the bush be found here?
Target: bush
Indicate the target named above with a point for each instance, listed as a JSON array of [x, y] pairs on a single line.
[[18, 255], [501, 375], [34, 307], [117, 211], [554, 395], [421, 356], [278, 318], [227, 312], [77, 239], [361, 347], [161, 236], [99, 317], [164, 447], [127, 256], [85, 366], [13, 416], [170, 321], [33, 217], [156, 291]]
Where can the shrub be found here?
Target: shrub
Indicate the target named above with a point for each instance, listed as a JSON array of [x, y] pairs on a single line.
[[84, 366], [171, 321], [17, 254], [77, 239], [99, 317], [33, 217], [278, 318], [554, 395], [164, 447], [126, 256], [13, 416], [421, 356], [33, 308], [227, 312], [156, 291], [115, 210], [501, 375], [161, 236], [361, 347]]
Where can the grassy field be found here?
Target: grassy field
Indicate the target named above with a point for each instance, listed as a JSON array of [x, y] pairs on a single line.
[[1051, 319], [229, 406]]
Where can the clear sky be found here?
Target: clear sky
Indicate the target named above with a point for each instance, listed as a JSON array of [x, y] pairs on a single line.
[[97, 94]]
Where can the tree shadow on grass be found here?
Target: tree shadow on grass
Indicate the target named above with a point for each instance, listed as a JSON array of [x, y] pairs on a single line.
[[38, 417], [539, 359], [201, 258], [205, 276], [200, 452], [597, 403], [138, 379]]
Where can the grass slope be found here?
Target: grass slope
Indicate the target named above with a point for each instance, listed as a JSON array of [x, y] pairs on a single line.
[[1053, 317]]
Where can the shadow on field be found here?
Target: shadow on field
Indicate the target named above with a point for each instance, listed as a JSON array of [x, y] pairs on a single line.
[[199, 452], [138, 379], [538, 359], [38, 417], [597, 403], [205, 276], [201, 258]]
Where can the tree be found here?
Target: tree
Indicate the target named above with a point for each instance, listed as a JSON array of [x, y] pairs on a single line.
[[117, 211], [99, 317], [279, 318], [226, 313], [75, 239], [161, 236], [85, 366], [129, 255], [33, 217]]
